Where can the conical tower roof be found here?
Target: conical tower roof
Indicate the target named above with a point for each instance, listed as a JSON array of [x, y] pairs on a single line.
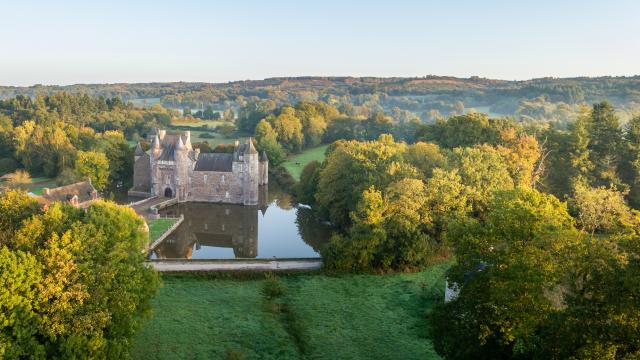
[[180, 145], [263, 156], [252, 149], [139, 151]]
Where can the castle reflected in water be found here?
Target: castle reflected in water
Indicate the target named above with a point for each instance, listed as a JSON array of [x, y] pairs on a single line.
[[213, 225]]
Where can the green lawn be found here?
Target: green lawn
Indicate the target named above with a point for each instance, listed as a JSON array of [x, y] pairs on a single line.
[[334, 317], [198, 123], [296, 163], [39, 183], [157, 227]]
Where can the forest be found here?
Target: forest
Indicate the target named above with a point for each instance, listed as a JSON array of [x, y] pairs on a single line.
[[429, 97]]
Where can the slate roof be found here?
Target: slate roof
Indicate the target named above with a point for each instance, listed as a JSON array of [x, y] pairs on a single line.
[[82, 189], [215, 162]]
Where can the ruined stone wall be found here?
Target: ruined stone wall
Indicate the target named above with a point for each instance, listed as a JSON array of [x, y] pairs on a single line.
[[214, 186]]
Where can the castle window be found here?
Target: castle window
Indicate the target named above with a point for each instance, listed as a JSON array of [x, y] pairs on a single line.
[[226, 194], [223, 179], [205, 179]]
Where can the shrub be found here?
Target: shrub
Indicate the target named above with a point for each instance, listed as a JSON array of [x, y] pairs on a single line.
[[272, 288]]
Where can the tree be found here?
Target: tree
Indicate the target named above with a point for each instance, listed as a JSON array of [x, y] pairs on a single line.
[[307, 187], [509, 268], [580, 154], [602, 312], [351, 167], [464, 131], [93, 166], [268, 142], [521, 154], [604, 144], [15, 207], [630, 165], [289, 129], [377, 125], [120, 159], [20, 275], [77, 281], [483, 170], [603, 210], [425, 157]]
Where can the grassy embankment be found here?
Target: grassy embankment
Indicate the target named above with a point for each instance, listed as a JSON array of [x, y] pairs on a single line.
[[324, 317], [158, 227], [296, 163]]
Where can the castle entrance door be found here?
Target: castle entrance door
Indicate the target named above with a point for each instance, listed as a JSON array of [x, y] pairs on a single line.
[[168, 193]]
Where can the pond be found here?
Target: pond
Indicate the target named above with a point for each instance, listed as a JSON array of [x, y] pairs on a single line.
[[276, 228]]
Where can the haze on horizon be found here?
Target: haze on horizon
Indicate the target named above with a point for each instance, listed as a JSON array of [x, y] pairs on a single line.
[[73, 41]]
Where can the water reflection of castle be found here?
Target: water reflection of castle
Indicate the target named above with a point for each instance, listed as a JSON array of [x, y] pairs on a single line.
[[213, 225]]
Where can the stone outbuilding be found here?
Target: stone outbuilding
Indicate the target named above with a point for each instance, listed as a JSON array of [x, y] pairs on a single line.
[[80, 194]]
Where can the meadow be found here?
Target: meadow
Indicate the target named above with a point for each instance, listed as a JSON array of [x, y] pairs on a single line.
[[296, 163], [351, 316]]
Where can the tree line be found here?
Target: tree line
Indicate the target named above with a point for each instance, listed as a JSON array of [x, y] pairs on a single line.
[[73, 137], [539, 221]]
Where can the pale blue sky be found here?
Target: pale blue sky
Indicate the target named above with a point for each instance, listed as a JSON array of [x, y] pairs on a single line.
[[74, 41]]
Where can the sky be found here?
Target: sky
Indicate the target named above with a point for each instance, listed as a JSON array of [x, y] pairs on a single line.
[[83, 41]]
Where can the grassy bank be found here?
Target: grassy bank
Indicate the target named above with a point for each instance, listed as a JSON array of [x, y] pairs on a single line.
[[342, 317], [296, 163], [158, 227]]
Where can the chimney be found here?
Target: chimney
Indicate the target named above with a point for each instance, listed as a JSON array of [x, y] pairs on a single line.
[[162, 133]]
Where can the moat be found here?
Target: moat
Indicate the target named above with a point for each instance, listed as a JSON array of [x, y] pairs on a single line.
[[276, 228]]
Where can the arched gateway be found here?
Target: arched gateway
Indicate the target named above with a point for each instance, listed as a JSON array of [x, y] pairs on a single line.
[[168, 193]]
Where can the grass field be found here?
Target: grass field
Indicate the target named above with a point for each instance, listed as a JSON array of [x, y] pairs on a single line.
[[329, 317], [157, 227], [39, 183], [198, 123], [296, 163]]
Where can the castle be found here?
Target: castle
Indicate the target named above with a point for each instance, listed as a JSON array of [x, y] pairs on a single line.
[[173, 168]]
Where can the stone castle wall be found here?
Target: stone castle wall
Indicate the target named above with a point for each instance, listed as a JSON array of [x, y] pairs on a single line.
[[142, 174], [213, 186]]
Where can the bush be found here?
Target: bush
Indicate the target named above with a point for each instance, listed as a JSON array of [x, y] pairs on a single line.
[[207, 136], [272, 288]]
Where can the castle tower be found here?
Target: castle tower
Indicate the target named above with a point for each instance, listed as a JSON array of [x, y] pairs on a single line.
[[251, 175], [181, 158], [263, 169], [153, 158], [139, 152]]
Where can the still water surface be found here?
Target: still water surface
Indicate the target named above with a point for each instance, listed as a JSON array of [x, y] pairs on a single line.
[[276, 228]]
